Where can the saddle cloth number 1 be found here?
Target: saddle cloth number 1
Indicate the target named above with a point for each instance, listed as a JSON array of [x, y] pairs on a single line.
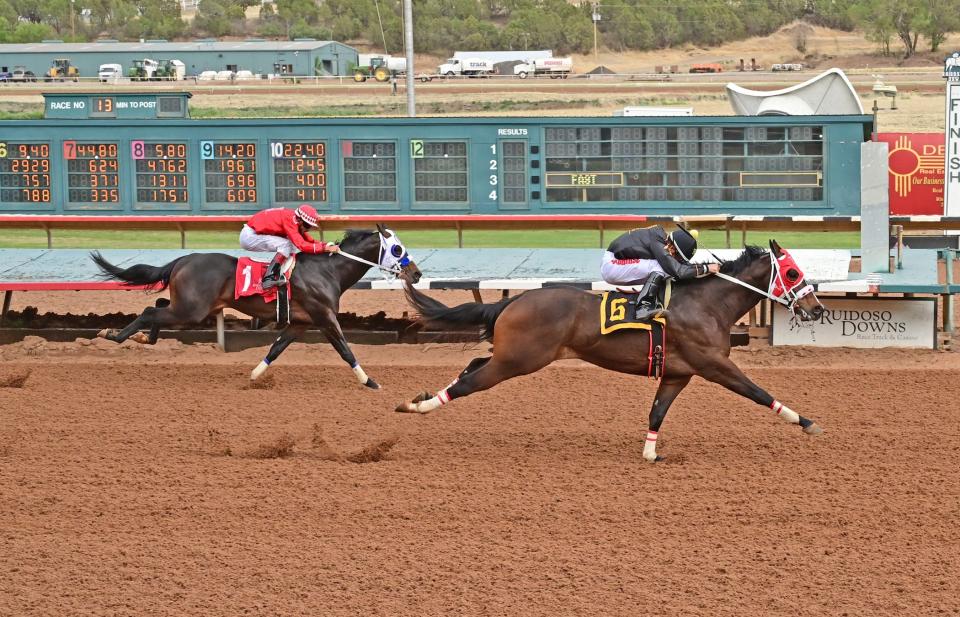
[[246, 278]]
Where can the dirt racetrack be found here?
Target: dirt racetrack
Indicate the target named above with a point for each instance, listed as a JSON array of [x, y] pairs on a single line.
[[155, 481]]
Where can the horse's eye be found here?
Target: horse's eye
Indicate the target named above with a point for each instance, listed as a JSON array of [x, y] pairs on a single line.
[[397, 251], [792, 275]]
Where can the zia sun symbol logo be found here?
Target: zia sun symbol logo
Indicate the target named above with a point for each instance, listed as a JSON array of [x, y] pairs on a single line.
[[904, 162]]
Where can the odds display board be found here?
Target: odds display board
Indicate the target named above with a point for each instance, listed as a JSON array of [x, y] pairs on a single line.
[[81, 160]]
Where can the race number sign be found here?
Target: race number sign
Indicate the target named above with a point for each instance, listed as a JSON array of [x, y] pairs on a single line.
[[862, 322]]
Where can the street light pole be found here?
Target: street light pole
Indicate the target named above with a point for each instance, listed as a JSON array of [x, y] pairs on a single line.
[[596, 18], [408, 45]]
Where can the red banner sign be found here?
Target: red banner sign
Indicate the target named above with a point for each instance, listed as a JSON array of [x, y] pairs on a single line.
[[915, 165]]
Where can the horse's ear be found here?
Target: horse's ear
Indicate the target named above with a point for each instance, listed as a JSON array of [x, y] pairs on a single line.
[[775, 248], [383, 230]]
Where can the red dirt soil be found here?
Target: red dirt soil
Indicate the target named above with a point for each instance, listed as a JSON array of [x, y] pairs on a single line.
[[155, 481]]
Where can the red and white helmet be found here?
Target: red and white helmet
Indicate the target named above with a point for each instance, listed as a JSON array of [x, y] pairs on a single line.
[[307, 214]]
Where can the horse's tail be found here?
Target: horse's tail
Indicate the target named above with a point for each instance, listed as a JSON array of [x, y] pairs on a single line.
[[140, 274], [433, 312]]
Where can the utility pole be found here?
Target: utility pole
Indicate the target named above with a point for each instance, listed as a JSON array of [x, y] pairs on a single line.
[[408, 45], [596, 18], [73, 33]]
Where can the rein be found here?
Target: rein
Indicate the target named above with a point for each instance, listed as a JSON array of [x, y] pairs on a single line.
[[369, 263], [767, 294]]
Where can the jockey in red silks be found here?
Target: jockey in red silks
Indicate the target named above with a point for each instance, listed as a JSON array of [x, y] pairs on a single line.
[[650, 256], [284, 232]]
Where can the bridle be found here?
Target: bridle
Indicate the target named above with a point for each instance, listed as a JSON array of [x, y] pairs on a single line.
[[789, 294], [400, 262]]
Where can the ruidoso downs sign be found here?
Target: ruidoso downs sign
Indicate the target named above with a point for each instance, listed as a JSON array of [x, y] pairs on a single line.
[[862, 322]]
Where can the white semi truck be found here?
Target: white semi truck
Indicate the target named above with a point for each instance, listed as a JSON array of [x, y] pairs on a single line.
[[468, 67], [556, 68]]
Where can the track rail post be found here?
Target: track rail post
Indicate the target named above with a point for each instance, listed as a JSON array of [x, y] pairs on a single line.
[[7, 298], [221, 335]]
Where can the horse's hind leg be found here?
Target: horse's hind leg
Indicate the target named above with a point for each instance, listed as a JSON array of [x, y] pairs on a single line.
[[728, 375], [155, 318], [145, 320], [480, 374]]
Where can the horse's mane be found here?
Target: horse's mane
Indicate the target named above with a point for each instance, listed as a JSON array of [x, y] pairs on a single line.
[[748, 256], [352, 237]]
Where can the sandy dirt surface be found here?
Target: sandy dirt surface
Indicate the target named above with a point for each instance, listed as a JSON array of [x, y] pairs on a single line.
[[139, 481]]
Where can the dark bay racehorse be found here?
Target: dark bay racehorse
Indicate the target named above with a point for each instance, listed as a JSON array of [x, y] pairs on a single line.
[[201, 284], [539, 326]]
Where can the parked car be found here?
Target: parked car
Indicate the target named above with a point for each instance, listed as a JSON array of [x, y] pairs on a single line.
[[22, 74], [5, 76], [110, 72]]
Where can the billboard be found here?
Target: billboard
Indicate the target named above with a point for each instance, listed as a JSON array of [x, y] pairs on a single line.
[[862, 322], [915, 167]]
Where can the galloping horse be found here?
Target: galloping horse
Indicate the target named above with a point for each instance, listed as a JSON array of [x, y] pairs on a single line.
[[202, 284], [539, 326]]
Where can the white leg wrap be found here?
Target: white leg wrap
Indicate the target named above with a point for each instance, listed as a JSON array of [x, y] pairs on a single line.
[[361, 376], [442, 398], [785, 412], [650, 447], [259, 370]]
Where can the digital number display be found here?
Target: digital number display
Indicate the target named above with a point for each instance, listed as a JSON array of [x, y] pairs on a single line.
[[161, 172], [370, 171], [229, 172], [440, 170], [684, 163], [24, 173], [93, 172], [103, 107], [514, 172], [299, 171]]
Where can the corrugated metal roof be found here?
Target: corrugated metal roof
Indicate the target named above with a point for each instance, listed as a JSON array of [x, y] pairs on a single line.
[[171, 46]]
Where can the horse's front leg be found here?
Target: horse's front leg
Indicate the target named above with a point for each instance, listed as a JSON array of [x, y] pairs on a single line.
[[327, 320], [287, 336], [668, 391], [727, 374]]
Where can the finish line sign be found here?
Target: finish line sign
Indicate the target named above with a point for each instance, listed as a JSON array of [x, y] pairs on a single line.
[[862, 322], [951, 193]]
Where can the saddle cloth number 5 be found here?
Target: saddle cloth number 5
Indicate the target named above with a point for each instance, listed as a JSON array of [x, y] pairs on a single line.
[[618, 310]]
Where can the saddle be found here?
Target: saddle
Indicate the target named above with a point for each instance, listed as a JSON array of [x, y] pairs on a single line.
[[617, 312], [250, 272]]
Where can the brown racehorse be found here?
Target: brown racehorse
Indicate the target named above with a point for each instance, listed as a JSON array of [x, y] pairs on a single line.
[[201, 284], [539, 326]]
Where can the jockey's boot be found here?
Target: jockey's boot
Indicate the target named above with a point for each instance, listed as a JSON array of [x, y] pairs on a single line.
[[647, 304], [272, 277]]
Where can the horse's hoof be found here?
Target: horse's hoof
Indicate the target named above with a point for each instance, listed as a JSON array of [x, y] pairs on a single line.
[[413, 407], [104, 333], [140, 337], [813, 429], [370, 383], [654, 459], [423, 396]]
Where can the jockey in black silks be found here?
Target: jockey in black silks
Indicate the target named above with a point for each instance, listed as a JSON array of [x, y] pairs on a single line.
[[650, 256]]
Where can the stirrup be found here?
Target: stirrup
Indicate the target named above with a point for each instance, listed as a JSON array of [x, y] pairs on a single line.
[[648, 312], [270, 282]]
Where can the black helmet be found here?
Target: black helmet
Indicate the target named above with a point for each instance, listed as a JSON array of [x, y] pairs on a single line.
[[685, 243]]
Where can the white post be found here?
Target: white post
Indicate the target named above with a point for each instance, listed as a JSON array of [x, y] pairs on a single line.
[[408, 44], [221, 335]]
